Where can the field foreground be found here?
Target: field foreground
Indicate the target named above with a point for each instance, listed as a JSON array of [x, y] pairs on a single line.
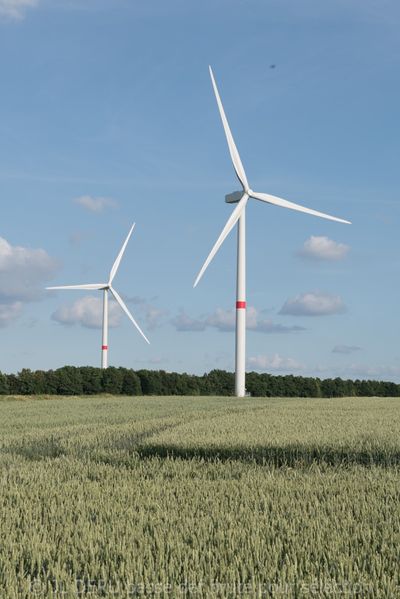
[[199, 497]]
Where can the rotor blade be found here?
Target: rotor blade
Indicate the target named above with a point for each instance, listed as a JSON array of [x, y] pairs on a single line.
[[225, 231], [115, 266], [129, 315], [90, 286], [237, 163], [266, 197]]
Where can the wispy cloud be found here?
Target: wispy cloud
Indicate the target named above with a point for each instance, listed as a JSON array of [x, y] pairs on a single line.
[[96, 205], [323, 248], [154, 316], [183, 323], [358, 370], [9, 312], [76, 238], [15, 9], [274, 363], [372, 372], [345, 349], [314, 303], [224, 321], [154, 361]]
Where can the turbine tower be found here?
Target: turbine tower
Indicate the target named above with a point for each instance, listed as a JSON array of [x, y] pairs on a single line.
[[238, 216], [105, 288]]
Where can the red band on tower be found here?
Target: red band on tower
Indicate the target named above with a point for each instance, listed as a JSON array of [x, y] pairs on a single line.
[[104, 347], [240, 305]]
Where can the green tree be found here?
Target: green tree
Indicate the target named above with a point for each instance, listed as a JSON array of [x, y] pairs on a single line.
[[69, 381], [187, 384], [112, 380], [309, 387], [39, 380], [151, 382], [13, 384], [4, 388], [25, 382], [256, 384], [91, 380], [328, 388], [131, 383], [51, 384], [221, 382]]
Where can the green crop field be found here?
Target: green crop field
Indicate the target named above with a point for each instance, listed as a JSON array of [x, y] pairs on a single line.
[[199, 497]]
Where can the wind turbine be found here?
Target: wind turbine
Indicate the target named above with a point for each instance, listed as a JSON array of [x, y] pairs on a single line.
[[105, 288], [238, 216]]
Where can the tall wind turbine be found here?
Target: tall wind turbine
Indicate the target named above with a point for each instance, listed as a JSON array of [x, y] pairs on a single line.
[[105, 288], [238, 216]]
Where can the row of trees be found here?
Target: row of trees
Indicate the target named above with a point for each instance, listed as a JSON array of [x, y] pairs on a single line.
[[71, 380]]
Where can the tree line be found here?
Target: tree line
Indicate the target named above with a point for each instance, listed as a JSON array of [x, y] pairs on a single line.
[[87, 380]]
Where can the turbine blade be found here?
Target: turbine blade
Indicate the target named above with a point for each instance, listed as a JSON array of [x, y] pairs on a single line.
[[129, 315], [115, 266], [266, 197], [225, 231], [93, 286], [237, 163]]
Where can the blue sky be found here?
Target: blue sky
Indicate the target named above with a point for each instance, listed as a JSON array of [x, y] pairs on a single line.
[[108, 117]]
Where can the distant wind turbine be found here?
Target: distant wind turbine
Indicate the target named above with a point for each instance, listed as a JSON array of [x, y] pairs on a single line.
[[238, 216], [105, 288]]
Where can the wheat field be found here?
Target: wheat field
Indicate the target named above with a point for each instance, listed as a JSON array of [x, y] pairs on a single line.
[[199, 497]]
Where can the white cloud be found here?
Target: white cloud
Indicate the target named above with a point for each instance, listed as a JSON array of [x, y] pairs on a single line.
[[260, 325], [88, 312], [23, 272], [345, 349], [15, 9], [95, 204], [275, 362], [323, 248], [224, 321], [314, 303]]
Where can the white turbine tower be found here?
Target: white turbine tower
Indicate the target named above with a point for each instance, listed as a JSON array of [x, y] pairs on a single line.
[[105, 288], [238, 215]]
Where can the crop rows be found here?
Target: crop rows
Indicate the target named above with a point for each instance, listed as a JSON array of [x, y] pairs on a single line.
[[205, 497]]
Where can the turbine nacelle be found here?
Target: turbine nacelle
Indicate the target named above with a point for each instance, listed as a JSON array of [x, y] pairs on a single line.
[[234, 197]]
